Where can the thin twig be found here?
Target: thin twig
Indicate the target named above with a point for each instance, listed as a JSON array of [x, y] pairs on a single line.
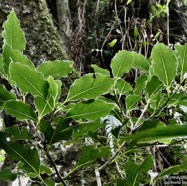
[[112, 157], [98, 178], [53, 163], [142, 114]]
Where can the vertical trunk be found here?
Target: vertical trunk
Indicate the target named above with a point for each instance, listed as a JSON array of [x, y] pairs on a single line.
[[64, 21]]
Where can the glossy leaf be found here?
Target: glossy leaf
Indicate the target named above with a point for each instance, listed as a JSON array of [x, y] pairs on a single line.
[[153, 86], [5, 96], [20, 152], [56, 69], [140, 62], [28, 80], [140, 84], [89, 87], [13, 35], [100, 70], [164, 63], [131, 101], [182, 51], [121, 63], [10, 54], [20, 110], [90, 110]]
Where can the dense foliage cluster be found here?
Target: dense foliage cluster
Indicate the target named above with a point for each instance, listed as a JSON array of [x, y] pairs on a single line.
[[111, 118]]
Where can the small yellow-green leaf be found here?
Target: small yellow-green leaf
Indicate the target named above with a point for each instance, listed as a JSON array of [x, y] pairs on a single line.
[[113, 42]]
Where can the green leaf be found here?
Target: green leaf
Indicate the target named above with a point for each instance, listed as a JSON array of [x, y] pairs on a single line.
[[13, 35], [164, 63], [158, 133], [89, 87], [44, 105], [100, 70], [20, 152], [7, 175], [113, 42], [121, 63], [19, 132], [171, 170], [10, 54], [122, 87], [28, 80], [131, 101], [53, 88], [45, 170], [62, 130], [20, 110], [5, 96], [1, 63], [56, 69], [182, 51], [90, 110], [83, 129], [140, 62], [134, 171], [153, 86], [90, 153], [140, 84]]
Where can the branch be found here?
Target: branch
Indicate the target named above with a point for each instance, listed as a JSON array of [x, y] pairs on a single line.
[[112, 157]]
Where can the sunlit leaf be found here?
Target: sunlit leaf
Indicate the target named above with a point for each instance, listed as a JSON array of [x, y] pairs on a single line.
[[140, 62], [182, 51], [164, 63], [28, 80], [121, 63], [56, 69], [100, 70], [89, 87], [10, 54], [13, 35]]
